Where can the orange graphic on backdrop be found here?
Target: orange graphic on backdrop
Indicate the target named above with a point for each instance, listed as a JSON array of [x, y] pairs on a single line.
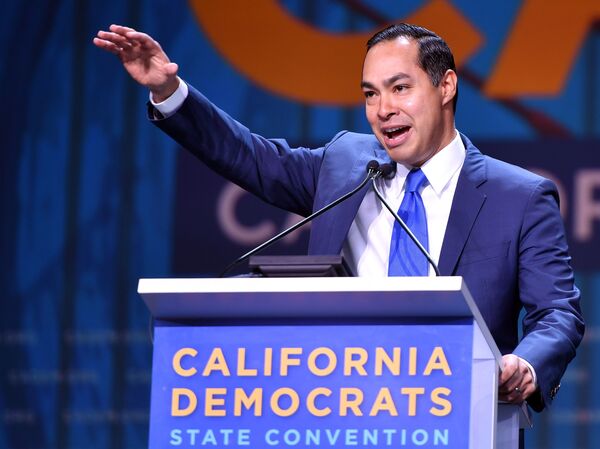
[[542, 47], [291, 58]]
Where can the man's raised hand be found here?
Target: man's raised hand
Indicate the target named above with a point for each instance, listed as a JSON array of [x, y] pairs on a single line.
[[143, 58]]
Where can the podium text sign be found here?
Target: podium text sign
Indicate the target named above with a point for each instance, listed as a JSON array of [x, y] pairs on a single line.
[[323, 362]]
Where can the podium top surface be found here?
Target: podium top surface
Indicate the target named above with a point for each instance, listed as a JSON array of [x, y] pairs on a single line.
[[307, 297], [318, 284]]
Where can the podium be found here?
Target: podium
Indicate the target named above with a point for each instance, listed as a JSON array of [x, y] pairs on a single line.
[[324, 362]]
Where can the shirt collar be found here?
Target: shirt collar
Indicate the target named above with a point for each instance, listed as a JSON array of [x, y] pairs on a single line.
[[440, 169]]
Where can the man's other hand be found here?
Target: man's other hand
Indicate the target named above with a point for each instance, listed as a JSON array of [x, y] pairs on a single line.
[[516, 382]]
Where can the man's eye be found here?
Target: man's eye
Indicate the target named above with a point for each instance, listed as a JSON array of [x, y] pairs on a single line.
[[369, 94], [400, 87]]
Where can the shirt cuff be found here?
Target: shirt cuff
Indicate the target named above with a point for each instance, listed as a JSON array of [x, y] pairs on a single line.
[[531, 370], [170, 106]]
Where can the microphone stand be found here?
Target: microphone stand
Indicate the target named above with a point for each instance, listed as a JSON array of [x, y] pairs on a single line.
[[372, 171], [402, 224]]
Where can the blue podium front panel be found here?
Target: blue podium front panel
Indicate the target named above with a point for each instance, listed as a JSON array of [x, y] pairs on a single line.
[[311, 386]]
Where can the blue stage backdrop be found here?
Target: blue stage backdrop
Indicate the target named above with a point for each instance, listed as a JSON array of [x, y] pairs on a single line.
[[94, 197]]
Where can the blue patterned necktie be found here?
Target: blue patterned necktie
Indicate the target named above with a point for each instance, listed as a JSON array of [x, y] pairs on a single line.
[[405, 257]]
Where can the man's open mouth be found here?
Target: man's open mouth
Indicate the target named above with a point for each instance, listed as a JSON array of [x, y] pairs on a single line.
[[392, 133]]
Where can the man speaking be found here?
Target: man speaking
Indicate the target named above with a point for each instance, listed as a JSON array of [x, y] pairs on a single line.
[[494, 224]]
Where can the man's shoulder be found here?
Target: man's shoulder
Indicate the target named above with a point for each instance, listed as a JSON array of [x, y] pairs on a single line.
[[501, 174], [351, 138], [499, 170]]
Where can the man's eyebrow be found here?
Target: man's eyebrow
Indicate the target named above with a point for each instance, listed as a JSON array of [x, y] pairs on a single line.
[[366, 85], [388, 82], [397, 77]]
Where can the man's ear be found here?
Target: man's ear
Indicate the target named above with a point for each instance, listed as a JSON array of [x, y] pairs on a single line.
[[448, 85]]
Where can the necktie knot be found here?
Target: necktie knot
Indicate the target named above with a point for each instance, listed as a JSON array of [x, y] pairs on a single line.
[[415, 179]]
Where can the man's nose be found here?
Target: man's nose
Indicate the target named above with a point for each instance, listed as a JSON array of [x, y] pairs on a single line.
[[387, 108]]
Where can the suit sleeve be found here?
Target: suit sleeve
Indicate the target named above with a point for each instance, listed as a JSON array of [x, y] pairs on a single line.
[[553, 325], [269, 168]]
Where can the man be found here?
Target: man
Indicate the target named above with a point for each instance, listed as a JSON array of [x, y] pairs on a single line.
[[496, 225]]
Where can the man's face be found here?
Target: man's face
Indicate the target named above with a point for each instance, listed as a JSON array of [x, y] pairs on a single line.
[[405, 110]]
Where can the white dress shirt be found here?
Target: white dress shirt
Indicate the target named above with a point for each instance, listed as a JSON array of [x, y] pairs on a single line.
[[367, 246]]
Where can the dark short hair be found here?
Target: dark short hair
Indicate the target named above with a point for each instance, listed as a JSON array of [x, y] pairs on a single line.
[[435, 57]]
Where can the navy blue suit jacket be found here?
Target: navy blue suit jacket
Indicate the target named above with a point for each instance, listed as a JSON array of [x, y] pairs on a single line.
[[504, 235]]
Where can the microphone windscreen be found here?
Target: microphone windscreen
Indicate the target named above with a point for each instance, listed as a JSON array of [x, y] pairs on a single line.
[[387, 170], [372, 166]]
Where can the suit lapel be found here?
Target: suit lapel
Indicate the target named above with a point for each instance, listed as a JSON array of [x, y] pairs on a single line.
[[467, 203], [334, 225]]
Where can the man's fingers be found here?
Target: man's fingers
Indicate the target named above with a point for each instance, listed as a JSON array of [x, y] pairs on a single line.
[[127, 38], [517, 396], [144, 40], [171, 69], [519, 378], [115, 38], [509, 368], [107, 45], [510, 385], [506, 376], [120, 29], [515, 380]]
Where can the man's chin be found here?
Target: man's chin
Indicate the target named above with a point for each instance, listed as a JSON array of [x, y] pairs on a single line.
[[401, 154]]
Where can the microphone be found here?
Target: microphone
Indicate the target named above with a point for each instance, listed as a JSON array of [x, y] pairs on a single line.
[[374, 170], [384, 171], [387, 170], [373, 166]]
